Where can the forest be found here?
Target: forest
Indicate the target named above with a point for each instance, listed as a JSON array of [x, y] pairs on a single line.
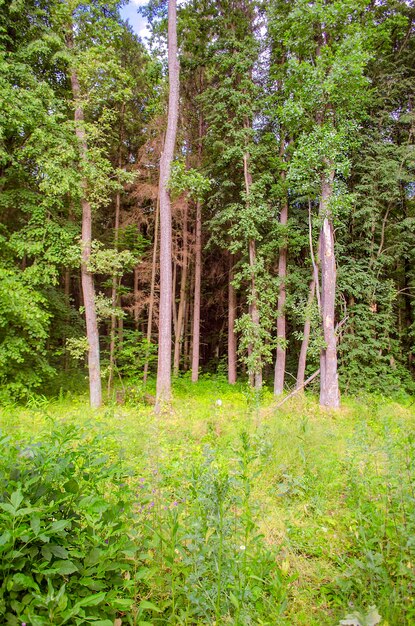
[[207, 312]]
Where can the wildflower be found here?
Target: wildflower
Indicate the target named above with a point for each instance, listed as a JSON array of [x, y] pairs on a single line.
[[218, 402], [242, 548]]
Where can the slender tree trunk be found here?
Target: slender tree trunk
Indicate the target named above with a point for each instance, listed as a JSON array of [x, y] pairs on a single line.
[[198, 274], [232, 308], [114, 296], [135, 297], [152, 290], [281, 325], [87, 279], [302, 360], [165, 309], [67, 292], [197, 294], [329, 384], [257, 373], [173, 296], [178, 341]]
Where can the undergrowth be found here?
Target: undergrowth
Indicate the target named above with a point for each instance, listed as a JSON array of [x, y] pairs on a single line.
[[219, 512]]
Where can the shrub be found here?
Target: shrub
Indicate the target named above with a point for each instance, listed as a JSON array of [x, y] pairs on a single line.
[[65, 552]]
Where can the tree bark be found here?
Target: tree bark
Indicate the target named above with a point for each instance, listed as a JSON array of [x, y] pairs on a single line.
[[256, 375], [152, 290], [87, 279], [232, 308], [281, 325], [165, 309], [302, 360], [178, 340], [329, 384]]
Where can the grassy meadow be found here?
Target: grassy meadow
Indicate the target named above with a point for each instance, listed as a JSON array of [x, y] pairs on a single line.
[[223, 510]]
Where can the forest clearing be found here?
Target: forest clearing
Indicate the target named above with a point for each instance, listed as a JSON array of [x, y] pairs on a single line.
[[223, 512], [207, 218]]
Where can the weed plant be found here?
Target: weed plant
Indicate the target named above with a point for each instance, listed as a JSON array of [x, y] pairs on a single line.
[[219, 512]]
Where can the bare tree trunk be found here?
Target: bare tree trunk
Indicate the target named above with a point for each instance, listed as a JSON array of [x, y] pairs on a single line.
[[302, 360], [281, 325], [178, 341], [329, 384], [152, 290], [257, 373], [232, 307], [165, 309], [87, 279]]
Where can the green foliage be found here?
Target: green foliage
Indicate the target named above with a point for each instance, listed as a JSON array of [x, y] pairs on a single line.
[[65, 511], [24, 330], [381, 470], [132, 353], [188, 180]]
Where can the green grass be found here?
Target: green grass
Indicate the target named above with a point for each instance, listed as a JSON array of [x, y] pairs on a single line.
[[324, 502]]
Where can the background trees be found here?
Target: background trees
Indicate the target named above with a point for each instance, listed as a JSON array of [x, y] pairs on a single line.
[[293, 117]]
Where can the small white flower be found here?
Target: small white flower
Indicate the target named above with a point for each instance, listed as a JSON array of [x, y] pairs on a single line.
[[242, 548], [218, 402]]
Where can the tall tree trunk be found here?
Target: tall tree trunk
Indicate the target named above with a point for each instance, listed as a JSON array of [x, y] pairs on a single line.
[[152, 290], [232, 308], [302, 360], [165, 309], [257, 373], [329, 384], [178, 340], [281, 325], [87, 279]]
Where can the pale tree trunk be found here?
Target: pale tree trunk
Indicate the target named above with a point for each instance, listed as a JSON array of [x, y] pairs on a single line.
[[257, 373], [152, 290], [302, 360], [198, 274], [329, 384], [165, 309], [281, 325], [87, 279], [178, 340], [232, 308]]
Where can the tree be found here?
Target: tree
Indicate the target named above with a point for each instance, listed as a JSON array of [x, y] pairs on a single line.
[[165, 308]]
